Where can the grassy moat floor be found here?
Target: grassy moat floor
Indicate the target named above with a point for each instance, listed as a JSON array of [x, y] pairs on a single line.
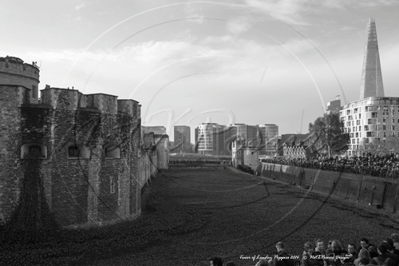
[[194, 213]]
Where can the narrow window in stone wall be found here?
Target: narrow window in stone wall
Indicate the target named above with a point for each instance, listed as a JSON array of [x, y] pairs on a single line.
[[112, 185], [73, 151], [112, 152], [39, 151], [35, 150]]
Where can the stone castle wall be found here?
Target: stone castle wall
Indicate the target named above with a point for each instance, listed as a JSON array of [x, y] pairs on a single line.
[[92, 160], [98, 186], [154, 156], [10, 117]]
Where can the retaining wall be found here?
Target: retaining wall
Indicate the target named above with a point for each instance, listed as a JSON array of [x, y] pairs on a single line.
[[374, 191]]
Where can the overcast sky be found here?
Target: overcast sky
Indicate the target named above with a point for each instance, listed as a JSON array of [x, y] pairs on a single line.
[[189, 62]]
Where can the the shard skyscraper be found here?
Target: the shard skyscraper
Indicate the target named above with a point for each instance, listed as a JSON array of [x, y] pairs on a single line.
[[371, 83]]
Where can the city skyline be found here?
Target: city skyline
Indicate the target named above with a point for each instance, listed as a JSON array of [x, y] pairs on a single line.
[[252, 62]]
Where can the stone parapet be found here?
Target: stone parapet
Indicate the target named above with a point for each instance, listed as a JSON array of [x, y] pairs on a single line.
[[381, 193]]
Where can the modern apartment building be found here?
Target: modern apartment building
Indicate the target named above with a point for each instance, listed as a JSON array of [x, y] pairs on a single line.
[[369, 119]]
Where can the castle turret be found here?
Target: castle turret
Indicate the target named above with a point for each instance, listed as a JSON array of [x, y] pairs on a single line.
[[14, 72]]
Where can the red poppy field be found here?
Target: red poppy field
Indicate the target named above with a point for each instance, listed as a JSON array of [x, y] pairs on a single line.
[[192, 214]]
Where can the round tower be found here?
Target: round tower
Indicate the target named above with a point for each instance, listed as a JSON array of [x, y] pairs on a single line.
[[13, 71]]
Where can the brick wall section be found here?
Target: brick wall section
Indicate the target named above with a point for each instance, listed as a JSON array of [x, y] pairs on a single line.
[[66, 175], [154, 163], [143, 168], [148, 151], [135, 190], [162, 151], [148, 139], [103, 102], [94, 184], [109, 175], [13, 133], [127, 176], [9, 139], [154, 156], [147, 168], [35, 128], [128, 107], [122, 189]]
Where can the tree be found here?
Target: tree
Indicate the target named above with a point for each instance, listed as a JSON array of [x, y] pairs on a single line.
[[327, 135], [381, 147], [340, 143]]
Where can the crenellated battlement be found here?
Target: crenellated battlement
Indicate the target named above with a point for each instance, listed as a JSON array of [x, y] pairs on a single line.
[[106, 103], [59, 98], [72, 99], [130, 107]]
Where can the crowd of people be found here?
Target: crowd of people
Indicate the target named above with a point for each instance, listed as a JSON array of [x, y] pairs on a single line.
[[375, 165], [315, 253], [206, 161]]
